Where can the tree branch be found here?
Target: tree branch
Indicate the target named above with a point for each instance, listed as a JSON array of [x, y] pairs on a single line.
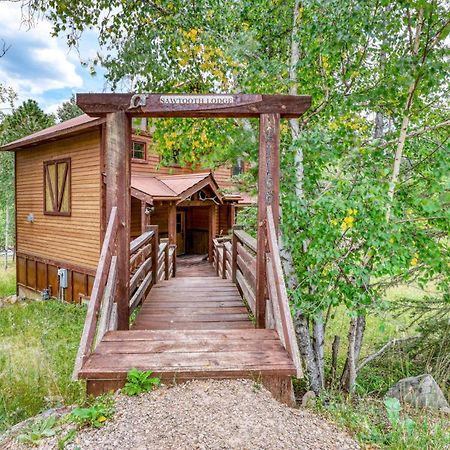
[[384, 349]]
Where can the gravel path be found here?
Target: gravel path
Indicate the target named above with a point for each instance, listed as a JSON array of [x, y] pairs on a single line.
[[228, 414]]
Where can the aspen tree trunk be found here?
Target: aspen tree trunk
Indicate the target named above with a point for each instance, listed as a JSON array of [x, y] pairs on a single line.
[[312, 352], [405, 122], [6, 235]]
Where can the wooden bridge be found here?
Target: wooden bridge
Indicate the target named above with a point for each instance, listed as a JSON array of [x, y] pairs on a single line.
[[235, 322], [192, 321]]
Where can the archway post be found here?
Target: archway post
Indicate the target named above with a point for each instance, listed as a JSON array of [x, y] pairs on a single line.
[[118, 193], [268, 194]]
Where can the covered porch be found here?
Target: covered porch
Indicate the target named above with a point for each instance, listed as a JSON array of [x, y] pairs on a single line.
[[190, 210]]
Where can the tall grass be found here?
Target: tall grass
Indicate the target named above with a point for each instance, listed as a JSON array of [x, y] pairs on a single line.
[[38, 344], [7, 278]]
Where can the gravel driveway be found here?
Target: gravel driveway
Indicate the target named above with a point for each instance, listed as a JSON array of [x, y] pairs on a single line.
[[227, 414]]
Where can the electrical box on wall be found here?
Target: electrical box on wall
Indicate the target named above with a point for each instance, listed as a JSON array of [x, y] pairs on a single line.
[[63, 278]]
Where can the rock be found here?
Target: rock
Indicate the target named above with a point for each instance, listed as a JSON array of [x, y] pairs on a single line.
[[308, 399], [420, 391], [445, 410]]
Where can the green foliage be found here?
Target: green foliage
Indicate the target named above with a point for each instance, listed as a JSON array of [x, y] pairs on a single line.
[[68, 438], [139, 382], [24, 120], [38, 430], [95, 415], [383, 425], [39, 345], [68, 110]]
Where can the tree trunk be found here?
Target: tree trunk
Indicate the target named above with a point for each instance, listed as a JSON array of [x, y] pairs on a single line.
[[307, 352], [6, 235], [356, 335], [318, 346], [405, 122]]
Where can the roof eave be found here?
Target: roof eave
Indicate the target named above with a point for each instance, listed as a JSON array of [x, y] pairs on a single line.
[[13, 146]]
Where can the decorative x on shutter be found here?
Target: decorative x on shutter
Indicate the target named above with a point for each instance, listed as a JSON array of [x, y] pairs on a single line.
[[57, 187]]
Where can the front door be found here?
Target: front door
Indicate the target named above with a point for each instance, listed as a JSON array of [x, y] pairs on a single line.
[[181, 232]]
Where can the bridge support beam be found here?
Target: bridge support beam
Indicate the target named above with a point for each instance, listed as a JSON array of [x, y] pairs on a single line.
[[118, 193], [268, 194]]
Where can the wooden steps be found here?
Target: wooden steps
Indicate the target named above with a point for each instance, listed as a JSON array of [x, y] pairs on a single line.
[[192, 327], [182, 355]]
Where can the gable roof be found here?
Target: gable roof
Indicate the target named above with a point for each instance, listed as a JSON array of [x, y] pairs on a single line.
[[175, 187], [67, 128]]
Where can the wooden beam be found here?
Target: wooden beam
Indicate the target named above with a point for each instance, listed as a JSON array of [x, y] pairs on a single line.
[[118, 193], [268, 195], [172, 223], [203, 105], [211, 231]]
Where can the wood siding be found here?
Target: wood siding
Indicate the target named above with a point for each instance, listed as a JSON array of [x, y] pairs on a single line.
[[74, 239]]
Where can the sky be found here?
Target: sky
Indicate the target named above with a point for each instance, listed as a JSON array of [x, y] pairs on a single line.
[[41, 67]]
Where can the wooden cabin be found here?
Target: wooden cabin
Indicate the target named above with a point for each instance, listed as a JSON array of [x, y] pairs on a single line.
[[60, 204]]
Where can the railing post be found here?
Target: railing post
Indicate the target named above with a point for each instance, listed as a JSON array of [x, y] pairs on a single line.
[[174, 270], [216, 257], [224, 262], [166, 261], [234, 253], [155, 250]]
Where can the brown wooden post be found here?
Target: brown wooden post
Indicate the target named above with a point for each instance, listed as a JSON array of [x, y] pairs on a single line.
[[268, 194], [166, 261], [212, 231], [118, 193], [234, 253], [143, 216], [155, 251], [172, 223], [224, 262], [174, 256]]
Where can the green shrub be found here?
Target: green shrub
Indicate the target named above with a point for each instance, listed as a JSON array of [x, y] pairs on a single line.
[[38, 430], [138, 382]]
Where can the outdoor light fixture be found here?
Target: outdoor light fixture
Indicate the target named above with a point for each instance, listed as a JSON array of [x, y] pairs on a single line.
[[30, 218], [149, 210]]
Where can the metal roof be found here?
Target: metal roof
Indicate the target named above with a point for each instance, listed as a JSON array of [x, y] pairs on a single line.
[[68, 127]]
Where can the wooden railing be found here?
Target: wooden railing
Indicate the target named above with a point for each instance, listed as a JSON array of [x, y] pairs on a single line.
[[102, 296], [236, 260], [150, 262], [278, 313]]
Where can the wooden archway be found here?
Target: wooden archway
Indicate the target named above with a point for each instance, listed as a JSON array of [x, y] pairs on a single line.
[[118, 110]]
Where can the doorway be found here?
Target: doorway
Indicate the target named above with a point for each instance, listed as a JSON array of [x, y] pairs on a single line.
[[181, 233]]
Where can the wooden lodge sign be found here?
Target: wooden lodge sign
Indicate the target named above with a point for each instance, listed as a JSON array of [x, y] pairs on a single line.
[[194, 105], [197, 99]]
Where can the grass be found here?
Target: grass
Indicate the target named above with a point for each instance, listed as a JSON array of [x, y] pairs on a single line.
[[7, 278], [38, 344], [365, 414], [366, 418]]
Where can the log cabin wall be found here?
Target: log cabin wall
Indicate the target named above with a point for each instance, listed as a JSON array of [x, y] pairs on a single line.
[[51, 241]]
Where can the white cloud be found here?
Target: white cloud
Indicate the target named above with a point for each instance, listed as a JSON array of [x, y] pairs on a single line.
[[37, 64]]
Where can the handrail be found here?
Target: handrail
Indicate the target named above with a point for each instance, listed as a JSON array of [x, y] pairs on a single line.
[[279, 298], [98, 289], [148, 259]]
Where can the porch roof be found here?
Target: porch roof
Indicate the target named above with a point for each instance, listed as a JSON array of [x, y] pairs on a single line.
[[175, 187]]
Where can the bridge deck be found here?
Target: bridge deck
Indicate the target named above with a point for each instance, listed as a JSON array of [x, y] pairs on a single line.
[[189, 327]]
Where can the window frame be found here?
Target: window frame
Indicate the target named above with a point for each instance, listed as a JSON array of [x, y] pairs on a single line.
[[139, 160], [67, 185]]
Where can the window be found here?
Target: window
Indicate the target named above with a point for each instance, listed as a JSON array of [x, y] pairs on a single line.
[[139, 150], [57, 187], [238, 167]]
